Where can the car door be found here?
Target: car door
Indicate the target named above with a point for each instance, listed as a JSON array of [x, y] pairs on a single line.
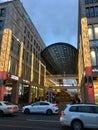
[[87, 115], [43, 107], [35, 107], [96, 116]]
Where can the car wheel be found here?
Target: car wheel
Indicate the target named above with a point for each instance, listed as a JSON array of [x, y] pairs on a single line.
[[77, 125], [1, 113], [49, 112], [26, 111]]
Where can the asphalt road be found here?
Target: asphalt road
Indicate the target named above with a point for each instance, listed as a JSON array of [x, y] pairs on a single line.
[[31, 122], [21, 121]]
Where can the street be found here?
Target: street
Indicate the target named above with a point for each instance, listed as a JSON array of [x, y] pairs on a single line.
[[33, 121], [21, 121]]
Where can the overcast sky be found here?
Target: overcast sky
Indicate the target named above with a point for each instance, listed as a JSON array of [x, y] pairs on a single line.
[[55, 20]]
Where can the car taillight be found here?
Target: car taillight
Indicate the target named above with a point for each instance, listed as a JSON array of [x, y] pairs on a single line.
[[55, 105], [10, 108], [62, 113]]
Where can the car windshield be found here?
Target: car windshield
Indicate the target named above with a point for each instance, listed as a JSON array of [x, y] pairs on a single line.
[[8, 103]]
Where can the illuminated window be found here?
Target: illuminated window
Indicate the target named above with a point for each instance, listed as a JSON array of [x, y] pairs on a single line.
[[90, 33], [96, 31], [93, 57]]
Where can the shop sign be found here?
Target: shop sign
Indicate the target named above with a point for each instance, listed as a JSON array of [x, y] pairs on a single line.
[[14, 77]]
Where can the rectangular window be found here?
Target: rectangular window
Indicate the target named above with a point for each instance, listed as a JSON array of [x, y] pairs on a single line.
[[97, 55], [96, 31], [95, 1], [93, 57], [1, 24], [90, 32], [87, 12], [25, 29], [90, 1], [13, 66], [2, 12], [86, 1], [96, 10], [92, 11]]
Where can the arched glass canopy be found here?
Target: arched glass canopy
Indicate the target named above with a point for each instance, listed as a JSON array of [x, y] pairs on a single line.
[[60, 58]]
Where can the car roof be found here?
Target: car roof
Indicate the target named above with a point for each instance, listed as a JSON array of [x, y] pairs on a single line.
[[41, 101], [82, 104]]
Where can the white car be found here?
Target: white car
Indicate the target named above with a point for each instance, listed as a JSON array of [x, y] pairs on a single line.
[[41, 107], [8, 108], [79, 116]]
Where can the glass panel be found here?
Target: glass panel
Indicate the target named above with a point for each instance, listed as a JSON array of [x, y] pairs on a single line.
[[93, 57], [2, 13], [90, 33], [97, 55], [86, 1], [96, 31], [90, 1], [92, 11], [1, 24], [94, 43], [96, 10]]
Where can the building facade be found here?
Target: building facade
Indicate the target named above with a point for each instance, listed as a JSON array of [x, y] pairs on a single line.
[[88, 50], [22, 74]]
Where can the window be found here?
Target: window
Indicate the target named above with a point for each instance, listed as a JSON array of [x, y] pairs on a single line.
[[95, 1], [97, 55], [73, 109], [92, 11], [96, 11], [2, 12], [90, 1], [96, 109], [96, 31], [15, 47], [13, 66], [93, 57], [93, 32], [86, 1], [90, 33], [1, 24], [25, 29], [44, 103], [86, 109], [87, 12]]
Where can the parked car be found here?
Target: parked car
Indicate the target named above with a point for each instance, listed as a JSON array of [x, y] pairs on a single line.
[[79, 116], [41, 107], [8, 108]]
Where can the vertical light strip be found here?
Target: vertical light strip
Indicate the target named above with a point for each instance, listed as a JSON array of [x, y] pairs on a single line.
[[32, 67], [44, 75], [39, 72], [5, 49], [85, 40], [20, 60]]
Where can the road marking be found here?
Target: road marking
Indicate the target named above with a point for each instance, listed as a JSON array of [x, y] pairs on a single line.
[[42, 120]]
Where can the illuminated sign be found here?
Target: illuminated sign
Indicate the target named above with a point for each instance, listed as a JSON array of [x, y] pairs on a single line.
[[14, 77]]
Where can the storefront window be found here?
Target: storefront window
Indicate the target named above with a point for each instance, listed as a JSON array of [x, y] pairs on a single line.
[[8, 93]]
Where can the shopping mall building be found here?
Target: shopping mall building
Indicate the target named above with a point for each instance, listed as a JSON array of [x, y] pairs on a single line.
[[26, 62]]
